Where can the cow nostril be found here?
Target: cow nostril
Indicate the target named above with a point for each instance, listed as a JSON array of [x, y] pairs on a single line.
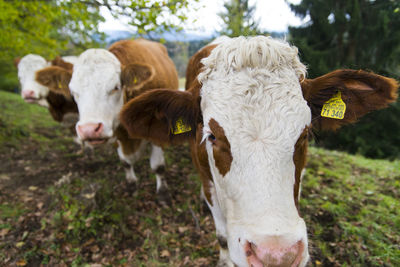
[[99, 127]]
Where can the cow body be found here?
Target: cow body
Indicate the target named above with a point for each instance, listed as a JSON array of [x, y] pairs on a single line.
[[61, 107], [103, 80]]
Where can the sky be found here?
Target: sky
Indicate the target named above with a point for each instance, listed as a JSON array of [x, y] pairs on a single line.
[[273, 15]]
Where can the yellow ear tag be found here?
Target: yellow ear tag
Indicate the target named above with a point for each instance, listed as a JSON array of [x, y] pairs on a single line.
[[334, 108], [135, 80], [59, 85], [180, 127]]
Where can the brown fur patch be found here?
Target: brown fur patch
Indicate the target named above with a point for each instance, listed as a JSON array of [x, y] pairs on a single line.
[[195, 66], [59, 106], [135, 76], [58, 61], [200, 160], [221, 148], [300, 160], [362, 92], [148, 53], [129, 145], [56, 79]]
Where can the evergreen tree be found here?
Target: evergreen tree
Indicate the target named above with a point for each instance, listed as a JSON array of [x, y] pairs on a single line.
[[239, 19], [359, 34]]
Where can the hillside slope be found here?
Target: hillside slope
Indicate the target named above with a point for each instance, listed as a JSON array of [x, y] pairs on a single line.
[[60, 207]]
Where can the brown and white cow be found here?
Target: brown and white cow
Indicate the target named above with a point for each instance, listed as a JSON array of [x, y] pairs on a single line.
[[247, 112], [103, 80], [36, 86]]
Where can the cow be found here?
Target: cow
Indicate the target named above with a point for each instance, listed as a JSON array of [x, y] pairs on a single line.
[[247, 114], [35, 86], [103, 80]]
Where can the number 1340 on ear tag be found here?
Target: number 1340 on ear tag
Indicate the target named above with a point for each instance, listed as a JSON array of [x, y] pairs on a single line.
[[334, 108]]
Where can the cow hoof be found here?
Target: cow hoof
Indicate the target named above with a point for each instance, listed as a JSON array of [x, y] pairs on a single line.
[[132, 188], [163, 196]]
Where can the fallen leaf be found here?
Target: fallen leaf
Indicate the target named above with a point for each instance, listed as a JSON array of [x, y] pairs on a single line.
[[40, 205], [19, 244], [182, 229], [165, 253], [4, 231], [89, 196], [33, 188], [21, 262]]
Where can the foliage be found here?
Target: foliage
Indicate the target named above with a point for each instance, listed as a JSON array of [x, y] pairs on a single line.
[[150, 16], [67, 27], [238, 19], [47, 28], [359, 34]]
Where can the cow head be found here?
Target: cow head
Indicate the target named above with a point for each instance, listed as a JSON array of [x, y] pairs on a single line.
[[99, 84], [31, 90], [247, 116]]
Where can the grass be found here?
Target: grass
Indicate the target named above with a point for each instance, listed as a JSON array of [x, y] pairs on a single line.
[[351, 205], [352, 208]]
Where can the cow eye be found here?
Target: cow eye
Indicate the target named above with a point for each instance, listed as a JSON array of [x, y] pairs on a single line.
[[212, 138], [116, 88]]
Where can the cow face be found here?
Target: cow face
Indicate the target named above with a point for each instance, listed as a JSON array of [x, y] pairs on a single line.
[[247, 116], [98, 85], [254, 113], [31, 90]]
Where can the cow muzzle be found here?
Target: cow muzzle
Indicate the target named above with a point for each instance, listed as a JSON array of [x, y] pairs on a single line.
[[29, 96], [93, 133], [273, 255]]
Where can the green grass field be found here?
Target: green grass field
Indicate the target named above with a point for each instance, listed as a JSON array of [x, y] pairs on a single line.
[[351, 204]]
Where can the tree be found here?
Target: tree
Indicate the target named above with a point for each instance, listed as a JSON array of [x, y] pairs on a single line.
[[354, 34], [239, 19], [54, 27], [349, 33]]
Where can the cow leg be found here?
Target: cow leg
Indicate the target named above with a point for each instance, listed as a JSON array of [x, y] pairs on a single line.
[[157, 164], [220, 226], [130, 156]]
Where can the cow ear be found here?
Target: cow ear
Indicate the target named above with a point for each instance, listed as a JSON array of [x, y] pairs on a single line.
[[162, 116], [343, 96], [16, 61], [134, 76], [58, 61], [56, 79]]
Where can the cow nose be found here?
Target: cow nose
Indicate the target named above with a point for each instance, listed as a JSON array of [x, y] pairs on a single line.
[[273, 255], [90, 130], [28, 93]]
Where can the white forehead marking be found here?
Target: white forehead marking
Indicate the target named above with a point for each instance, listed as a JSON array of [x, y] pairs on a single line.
[[95, 68], [29, 64]]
